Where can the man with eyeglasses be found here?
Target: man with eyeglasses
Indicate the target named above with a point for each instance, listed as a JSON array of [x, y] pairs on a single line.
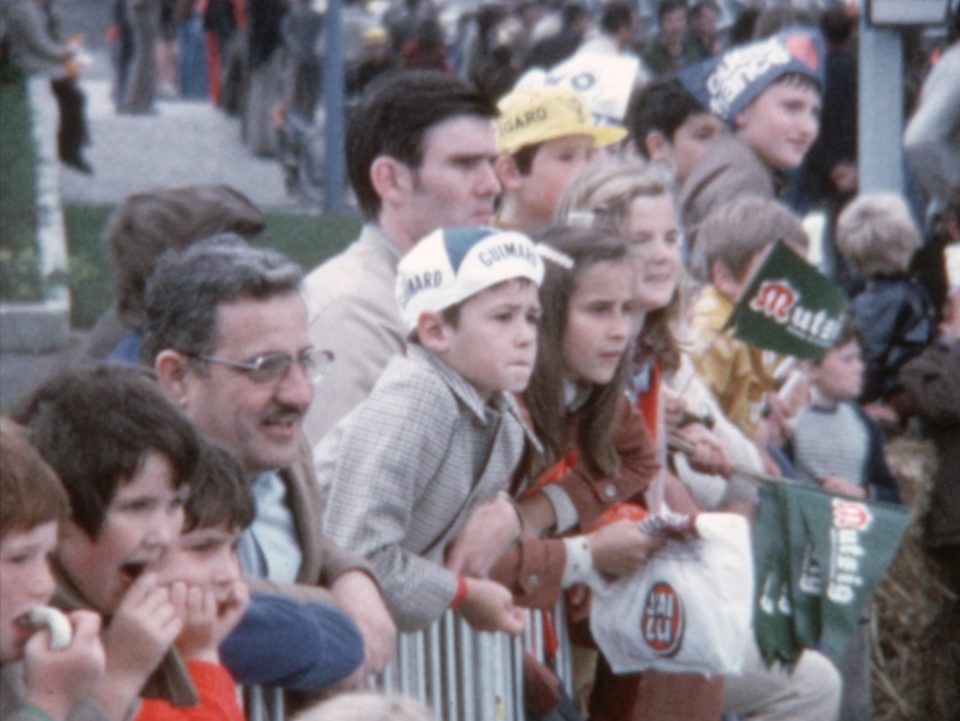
[[226, 333], [420, 154]]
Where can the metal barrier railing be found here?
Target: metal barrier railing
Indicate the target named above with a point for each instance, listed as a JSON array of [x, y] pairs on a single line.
[[460, 673], [263, 704], [467, 675]]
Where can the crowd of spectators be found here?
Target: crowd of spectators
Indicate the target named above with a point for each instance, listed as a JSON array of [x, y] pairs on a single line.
[[257, 474]]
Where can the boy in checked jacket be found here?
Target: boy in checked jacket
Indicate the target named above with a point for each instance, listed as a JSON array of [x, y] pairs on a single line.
[[441, 432]]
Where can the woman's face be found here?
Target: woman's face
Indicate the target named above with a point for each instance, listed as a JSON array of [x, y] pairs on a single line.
[[653, 239]]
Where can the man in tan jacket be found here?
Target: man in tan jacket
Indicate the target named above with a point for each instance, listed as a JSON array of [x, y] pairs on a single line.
[[420, 154]]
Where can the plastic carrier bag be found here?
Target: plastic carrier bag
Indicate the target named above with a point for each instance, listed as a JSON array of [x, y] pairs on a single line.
[[687, 610]]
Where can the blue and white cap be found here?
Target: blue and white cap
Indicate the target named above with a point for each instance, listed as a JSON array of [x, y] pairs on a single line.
[[452, 264], [726, 84]]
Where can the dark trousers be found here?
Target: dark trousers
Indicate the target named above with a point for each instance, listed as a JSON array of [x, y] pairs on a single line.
[[73, 133]]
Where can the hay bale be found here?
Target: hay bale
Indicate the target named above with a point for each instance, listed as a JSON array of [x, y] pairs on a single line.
[[916, 654]]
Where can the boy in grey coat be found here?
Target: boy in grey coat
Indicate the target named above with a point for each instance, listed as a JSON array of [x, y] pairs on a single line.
[[441, 432]]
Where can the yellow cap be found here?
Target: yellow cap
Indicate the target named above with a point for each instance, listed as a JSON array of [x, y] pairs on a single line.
[[532, 116]]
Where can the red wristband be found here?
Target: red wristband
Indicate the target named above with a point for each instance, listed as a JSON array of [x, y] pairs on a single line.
[[460, 594]]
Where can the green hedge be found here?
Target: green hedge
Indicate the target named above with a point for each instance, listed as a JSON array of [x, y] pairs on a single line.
[[19, 273], [306, 238]]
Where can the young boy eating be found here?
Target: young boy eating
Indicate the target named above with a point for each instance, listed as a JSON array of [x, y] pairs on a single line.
[[440, 433], [545, 138], [123, 453], [38, 682]]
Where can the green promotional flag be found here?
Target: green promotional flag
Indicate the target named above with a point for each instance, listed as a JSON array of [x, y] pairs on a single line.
[[789, 307], [838, 549], [805, 578], [773, 618], [854, 542]]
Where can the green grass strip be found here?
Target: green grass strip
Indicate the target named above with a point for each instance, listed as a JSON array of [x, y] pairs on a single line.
[[306, 238], [19, 272]]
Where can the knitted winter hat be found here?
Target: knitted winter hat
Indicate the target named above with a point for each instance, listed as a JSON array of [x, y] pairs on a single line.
[[728, 83]]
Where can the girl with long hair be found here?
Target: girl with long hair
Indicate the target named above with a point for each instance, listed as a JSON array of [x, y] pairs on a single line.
[[636, 202]]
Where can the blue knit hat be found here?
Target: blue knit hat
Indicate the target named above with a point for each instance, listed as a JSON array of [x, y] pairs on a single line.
[[726, 84]]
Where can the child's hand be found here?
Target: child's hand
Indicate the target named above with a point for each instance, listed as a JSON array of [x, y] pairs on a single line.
[[778, 420], [488, 606], [620, 547], [770, 466], [230, 609], [198, 609], [836, 484], [492, 528], [792, 397], [207, 619], [674, 408], [55, 681], [843, 175], [142, 630], [708, 454], [883, 414]]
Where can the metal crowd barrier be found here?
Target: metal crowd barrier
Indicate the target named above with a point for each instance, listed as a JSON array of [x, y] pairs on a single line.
[[263, 704], [460, 673], [467, 675]]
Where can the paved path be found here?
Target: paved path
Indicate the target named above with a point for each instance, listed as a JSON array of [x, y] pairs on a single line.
[[185, 142]]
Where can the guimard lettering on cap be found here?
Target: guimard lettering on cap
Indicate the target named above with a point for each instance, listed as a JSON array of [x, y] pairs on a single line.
[[506, 251], [422, 281], [537, 115]]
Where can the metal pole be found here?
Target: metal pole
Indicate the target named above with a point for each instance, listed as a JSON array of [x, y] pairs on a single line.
[[451, 668], [436, 666], [404, 672], [421, 649], [516, 651], [880, 101], [468, 671], [334, 108]]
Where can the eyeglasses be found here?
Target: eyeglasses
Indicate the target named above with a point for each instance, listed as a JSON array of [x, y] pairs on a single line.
[[272, 367]]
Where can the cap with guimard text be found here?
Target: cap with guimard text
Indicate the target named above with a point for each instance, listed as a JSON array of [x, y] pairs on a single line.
[[536, 115], [453, 264]]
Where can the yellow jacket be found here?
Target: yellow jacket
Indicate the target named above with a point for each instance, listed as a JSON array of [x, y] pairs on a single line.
[[739, 375]]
